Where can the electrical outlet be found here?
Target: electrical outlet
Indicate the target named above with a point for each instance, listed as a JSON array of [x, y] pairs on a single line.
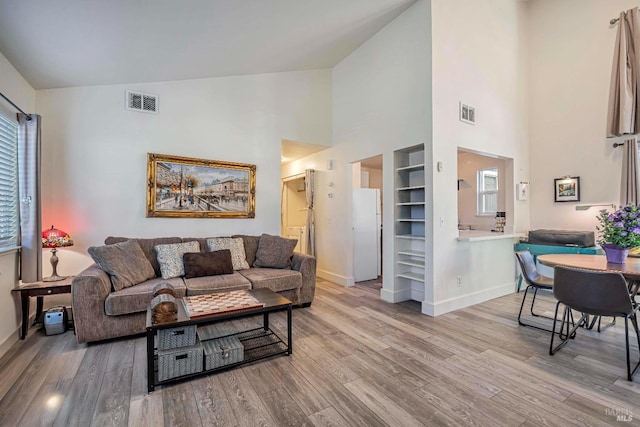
[[459, 281]]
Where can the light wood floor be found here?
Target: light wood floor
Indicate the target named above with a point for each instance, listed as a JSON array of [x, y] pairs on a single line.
[[356, 361]]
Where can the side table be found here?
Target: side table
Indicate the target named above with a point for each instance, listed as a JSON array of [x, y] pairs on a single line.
[[39, 290]]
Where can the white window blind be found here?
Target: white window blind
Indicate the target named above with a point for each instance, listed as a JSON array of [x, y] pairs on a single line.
[[487, 191], [8, 182]]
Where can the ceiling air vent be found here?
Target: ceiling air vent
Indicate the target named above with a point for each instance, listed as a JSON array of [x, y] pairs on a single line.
[[144, 102]]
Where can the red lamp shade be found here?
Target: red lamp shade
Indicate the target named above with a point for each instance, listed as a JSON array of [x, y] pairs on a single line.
[[54, 238]]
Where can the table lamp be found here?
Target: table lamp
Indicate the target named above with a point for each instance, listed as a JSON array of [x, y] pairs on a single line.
[[54, 239]]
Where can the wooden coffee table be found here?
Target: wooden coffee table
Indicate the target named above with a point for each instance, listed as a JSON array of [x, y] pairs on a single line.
[[259, 343]]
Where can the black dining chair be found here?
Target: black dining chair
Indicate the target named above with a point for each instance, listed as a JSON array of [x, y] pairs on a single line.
[[535, 281], [593, 293]]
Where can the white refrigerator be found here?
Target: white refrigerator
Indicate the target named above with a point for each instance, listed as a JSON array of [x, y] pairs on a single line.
[[367, 250]]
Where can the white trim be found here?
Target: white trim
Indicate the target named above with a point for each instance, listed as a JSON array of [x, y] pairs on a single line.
[[395, 295], [335, 278], [463, 301]]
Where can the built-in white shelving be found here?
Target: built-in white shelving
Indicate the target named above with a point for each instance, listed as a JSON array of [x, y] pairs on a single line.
[[410, 218]]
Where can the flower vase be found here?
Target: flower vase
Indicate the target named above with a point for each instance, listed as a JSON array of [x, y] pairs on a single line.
[[615, 254]]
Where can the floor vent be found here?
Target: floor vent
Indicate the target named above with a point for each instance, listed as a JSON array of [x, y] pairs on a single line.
[[144, 102]]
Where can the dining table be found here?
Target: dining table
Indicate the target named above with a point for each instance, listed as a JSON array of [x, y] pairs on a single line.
[[630, 270]]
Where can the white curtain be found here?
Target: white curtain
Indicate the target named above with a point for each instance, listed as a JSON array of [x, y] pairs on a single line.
[[29, 190], [630, 186], [624, 115], [309, 179]]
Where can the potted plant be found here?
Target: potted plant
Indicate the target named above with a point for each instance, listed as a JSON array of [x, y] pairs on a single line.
[[618, 232]]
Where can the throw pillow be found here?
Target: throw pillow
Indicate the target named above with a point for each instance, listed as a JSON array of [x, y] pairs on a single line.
[[236, 246], [170, 258], [250, 246], [274, 251], [124, 262], [207, 264]]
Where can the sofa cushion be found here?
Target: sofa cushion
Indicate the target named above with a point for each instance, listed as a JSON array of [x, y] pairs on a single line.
[[274, 251], [125, 263], [148, 247], [212, 284], [137, 298], [170, 258], [275, 279], [207, 264], [235, 245], [250, 246]]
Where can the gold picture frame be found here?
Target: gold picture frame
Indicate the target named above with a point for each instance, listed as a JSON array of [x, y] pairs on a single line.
[[185, 187]]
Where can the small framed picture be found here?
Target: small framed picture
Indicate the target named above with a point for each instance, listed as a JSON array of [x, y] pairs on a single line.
[[467, 114], [567, 189]]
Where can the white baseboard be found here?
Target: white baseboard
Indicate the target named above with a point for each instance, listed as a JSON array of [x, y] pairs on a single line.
[[395, 296], [335, 278], [463, 301]]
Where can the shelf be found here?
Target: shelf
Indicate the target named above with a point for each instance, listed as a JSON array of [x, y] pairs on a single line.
[[412, 188], [258, 344], [412, 276], [410, 167], [410, 220], [416, 254], [412, 263], [410, 204], [409, 237]]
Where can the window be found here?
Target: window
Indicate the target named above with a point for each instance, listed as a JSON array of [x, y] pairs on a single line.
[[487, 191], [8, 182]]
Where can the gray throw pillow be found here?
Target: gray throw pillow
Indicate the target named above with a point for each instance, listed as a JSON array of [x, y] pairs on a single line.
[[170, 258], [274, 251], [125, 263], [235, 245]]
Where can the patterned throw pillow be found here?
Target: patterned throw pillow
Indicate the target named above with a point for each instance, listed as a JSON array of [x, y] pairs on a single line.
[[235, 245], [125, 263], [170, 258]]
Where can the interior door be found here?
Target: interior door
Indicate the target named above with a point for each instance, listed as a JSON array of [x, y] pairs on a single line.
[[366, 233]]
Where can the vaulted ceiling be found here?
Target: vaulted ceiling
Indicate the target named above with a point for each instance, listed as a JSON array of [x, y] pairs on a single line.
[[66, 43]]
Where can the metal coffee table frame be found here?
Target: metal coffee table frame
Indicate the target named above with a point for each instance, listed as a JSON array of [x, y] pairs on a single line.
[[260, 343]]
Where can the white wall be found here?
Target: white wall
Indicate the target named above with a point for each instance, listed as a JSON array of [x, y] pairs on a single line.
[[22, 94], [381, 102], [479, 58], [571, 57], [94, 172]]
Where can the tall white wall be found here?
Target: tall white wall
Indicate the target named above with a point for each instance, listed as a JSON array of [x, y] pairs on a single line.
[[480, 58], [381, 102], [95, 151], [16, 88], [571, 56]]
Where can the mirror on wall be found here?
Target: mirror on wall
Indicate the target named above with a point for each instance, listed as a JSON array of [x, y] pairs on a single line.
[[484, 183]]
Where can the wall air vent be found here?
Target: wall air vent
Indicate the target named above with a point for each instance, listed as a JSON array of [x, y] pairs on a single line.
[[143, 102]]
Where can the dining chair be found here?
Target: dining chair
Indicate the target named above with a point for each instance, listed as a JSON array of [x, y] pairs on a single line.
[[535, 281], [593, 293]]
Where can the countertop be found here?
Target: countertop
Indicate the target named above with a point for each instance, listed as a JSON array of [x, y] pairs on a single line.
[[480, 235]]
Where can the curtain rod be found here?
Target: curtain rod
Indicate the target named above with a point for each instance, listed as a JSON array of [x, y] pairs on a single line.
[[613, 21], [15, 106]]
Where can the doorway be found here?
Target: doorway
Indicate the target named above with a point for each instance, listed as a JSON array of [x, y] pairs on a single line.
[[294, 211], [367, 221]]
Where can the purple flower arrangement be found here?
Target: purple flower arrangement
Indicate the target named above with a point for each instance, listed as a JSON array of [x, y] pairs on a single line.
[[621, 227]]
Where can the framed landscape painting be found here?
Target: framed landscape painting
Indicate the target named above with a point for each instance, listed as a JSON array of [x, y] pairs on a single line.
[[567, 189], [184, 187]]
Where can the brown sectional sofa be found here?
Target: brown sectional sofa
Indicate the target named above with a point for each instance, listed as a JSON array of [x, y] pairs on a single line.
[[100, 313]]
